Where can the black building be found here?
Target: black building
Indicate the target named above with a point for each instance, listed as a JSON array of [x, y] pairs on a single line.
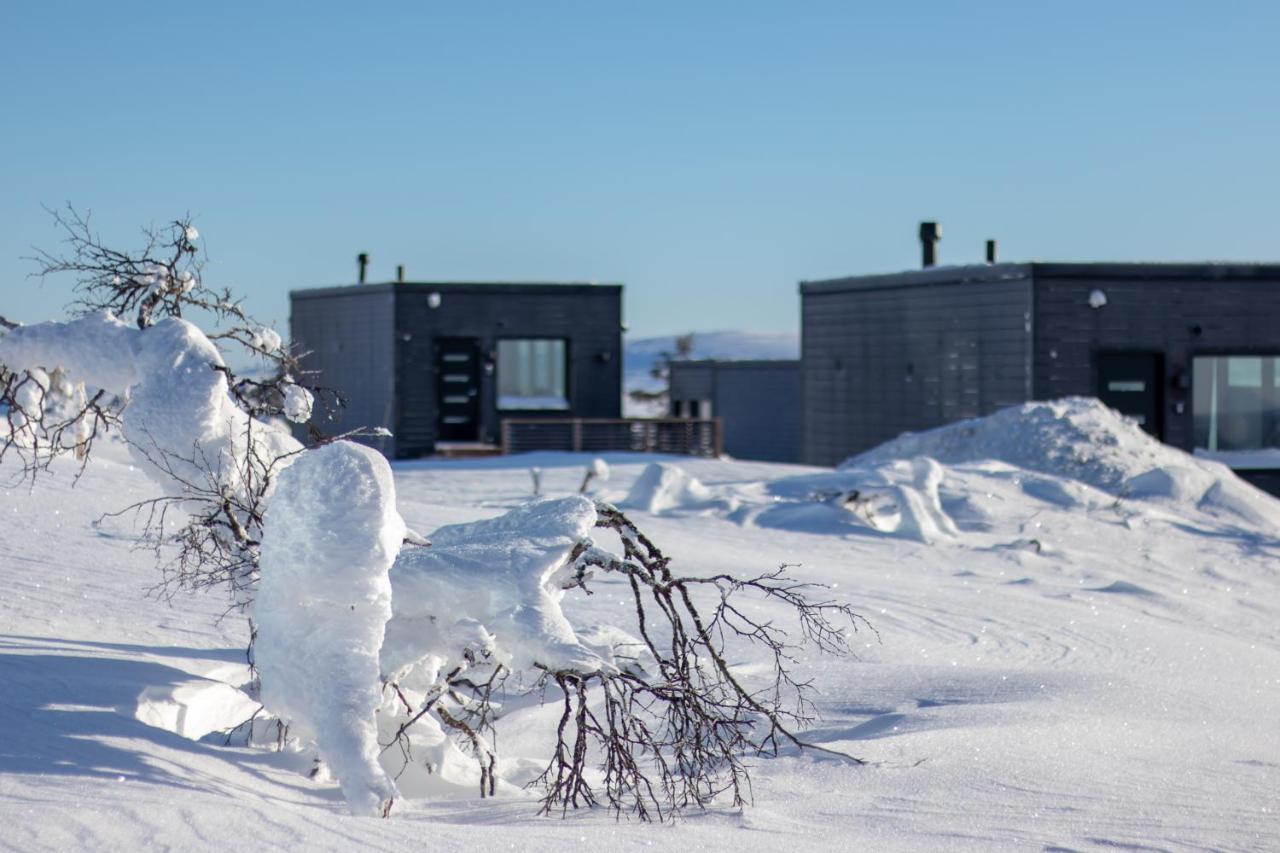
[[443, 363], [758, 403], [1192, 351]]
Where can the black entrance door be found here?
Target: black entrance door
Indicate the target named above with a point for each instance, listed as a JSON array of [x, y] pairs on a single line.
[[457, 389], [1132, 384]]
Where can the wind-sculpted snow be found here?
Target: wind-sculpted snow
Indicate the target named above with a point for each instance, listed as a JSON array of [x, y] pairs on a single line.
[[330, 537], [663, 486], [97, 349], [181, 423], [1080, 439], [493, 583]]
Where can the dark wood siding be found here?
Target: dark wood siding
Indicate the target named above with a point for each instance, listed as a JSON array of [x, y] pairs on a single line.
[[1155, 308], [691, 380], [347, 337], [881, 360], [758, 403], [589, 317]]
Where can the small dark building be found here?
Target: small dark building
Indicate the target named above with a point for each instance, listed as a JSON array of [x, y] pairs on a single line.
[[1192, 351], [758, 403], [443, 363]]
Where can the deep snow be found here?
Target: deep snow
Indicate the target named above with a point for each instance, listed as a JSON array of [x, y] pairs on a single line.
[[1086, 657]]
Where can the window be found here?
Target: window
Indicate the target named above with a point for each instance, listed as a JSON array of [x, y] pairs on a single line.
[[1235, 402], [531, 374]]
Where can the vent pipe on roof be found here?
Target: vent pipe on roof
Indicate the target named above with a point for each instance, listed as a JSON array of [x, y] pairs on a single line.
[[363, 260], [930, 234], [400, 273], [991, 251]]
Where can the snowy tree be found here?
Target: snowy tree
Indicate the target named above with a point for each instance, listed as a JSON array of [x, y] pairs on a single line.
[[391, 659]]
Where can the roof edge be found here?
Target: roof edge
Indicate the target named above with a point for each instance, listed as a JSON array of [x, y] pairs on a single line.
[[451, 286], [1151, 270]]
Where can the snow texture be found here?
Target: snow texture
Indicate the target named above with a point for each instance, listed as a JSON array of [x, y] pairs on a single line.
[[180, 423], [330, 536], [493, 585], [1075, 437], [266, 339], [1076, 669], [901, 497], [663, 486], [298, 402], [1081, 439]]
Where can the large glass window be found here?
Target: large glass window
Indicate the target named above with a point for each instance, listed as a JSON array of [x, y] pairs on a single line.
[[1236, 402], [531, 374]]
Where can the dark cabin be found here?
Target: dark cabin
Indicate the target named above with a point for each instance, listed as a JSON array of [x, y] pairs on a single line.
[[441, 364], [758, 403], [1191, 351]]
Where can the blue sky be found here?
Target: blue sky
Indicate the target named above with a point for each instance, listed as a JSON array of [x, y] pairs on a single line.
[[707, 155]]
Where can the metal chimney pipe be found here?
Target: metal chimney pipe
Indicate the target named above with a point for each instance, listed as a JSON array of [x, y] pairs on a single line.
[[400, 273], [930, 234], [991, 251], [363, 260]]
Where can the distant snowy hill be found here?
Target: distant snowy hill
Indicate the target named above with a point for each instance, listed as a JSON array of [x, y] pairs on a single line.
[[640, 355]]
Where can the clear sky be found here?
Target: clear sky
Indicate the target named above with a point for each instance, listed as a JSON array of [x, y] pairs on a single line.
[[707, 155]]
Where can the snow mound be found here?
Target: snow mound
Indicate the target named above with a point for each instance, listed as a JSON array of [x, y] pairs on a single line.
[[1060, 450], [1079, 438], [663, 486], [1076, 437], [329, 539]]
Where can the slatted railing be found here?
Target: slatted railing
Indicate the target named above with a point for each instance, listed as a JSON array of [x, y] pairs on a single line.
[[701, 437]]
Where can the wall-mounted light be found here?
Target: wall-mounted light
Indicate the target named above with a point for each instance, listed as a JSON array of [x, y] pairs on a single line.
[[433, 300]]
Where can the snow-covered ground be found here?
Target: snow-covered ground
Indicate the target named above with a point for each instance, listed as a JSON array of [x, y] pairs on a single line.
[[1079, 648]]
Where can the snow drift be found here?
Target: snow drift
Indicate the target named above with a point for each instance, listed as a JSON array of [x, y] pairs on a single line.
[[1081, 439], [663, 486]]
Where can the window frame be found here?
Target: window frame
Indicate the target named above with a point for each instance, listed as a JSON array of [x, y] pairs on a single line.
[[565, 368], [1227, 353]]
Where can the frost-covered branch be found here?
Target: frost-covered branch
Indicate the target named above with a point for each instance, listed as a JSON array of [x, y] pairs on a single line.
[[653, 717], [676, 735]]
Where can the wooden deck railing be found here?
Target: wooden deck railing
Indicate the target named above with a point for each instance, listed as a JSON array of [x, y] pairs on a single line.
[[702, 437]]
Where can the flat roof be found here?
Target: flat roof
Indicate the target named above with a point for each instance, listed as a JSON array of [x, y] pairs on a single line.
[[1154, 270], [497, 287]]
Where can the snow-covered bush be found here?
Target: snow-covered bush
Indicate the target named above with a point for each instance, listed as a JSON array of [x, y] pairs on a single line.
[[654, 718], [331, 534], [195, 427]]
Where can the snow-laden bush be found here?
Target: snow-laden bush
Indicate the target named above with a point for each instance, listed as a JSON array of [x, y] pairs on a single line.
[[331, 534]]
